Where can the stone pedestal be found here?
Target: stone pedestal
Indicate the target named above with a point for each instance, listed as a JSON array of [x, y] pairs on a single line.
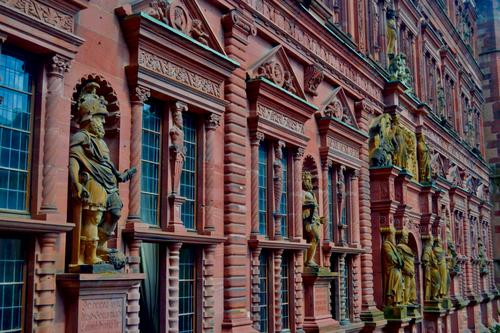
[[317, 317], [397, 318], [96, 303], [434, 316]]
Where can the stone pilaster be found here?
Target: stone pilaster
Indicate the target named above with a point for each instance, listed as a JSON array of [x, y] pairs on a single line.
[[173, 287], [297, 196], [256, 139], [208, 289], [237, 29], [54, 132], [45, 285], [343, 290], [138, 96], [298, 266], [254, 280], [278, 257], [278, 187], [211, 124]]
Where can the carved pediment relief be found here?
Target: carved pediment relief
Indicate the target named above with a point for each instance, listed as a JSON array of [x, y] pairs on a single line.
[[336, 106], [276, 68], [185, 16], [454, 175]]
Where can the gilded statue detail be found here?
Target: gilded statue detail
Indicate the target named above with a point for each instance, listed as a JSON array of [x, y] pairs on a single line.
[[431, 271], [94, 178], [424, 160], [408, 270], [392, 265], [312, 220]]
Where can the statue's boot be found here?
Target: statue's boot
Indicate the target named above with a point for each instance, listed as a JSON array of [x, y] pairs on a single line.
[[91, 253], [102, 246]]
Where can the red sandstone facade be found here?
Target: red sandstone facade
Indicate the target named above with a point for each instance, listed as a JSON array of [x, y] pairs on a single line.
[[304, 78]]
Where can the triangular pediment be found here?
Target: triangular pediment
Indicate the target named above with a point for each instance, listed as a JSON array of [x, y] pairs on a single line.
[[185, 16], [275, 67], [336, 106]]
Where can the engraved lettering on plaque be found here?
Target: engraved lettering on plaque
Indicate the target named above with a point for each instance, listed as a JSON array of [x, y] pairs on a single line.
[[101, 315]]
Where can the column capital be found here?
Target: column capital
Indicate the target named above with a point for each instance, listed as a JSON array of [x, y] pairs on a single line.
[[58, 65], [299, 153], [213, 121], [257, 138], [179, 106], [140, 94]]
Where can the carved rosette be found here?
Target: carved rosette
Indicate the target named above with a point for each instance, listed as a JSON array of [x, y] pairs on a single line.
[[314, 74]]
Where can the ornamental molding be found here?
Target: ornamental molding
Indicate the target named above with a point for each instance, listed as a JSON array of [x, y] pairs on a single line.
[[42, 12], [342, 147], [279, 119], [312, 44], [179, 74]]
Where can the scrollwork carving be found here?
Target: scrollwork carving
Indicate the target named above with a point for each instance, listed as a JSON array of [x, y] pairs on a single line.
[[313, 76]]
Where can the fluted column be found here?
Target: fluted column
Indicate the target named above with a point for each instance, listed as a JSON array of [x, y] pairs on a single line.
[[256, 139], [297, 178], [211, 124], [45, 284], [138, 97], [56, 68], [173, 287]]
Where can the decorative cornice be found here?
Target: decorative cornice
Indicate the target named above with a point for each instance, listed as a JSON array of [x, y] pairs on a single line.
[[279, 119]]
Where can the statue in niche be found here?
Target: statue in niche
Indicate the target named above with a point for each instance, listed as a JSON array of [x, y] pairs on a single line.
[[392, 265], [381, 144], [399, 71], [310, 216], [401, 150], [410, 289], [392, 33], [431, 271], [177, 147], [469, 128], [424, 163], [444, 277], [483, 265], [411, 161], [94, 180], [341, 200], [453, 266], [278, 181]]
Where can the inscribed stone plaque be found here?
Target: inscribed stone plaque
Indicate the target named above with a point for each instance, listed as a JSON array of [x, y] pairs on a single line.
[[101, 315]]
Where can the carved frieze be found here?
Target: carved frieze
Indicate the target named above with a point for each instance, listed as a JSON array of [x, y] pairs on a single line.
[[342, 147], [279, 119], [42, 12], [180, 74]]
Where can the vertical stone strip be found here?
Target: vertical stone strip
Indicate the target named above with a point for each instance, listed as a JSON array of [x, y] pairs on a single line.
[[299, 291], [133, 295], [254, 280], [211, 124], [278, 187], [356, 298], [45, 284], [468, 254], [173, 287], [256, 139], [326, 208], [138, 97], [343, 289], [278, 256], [237, 29], [56, 68], [208, 288], [297, 172]]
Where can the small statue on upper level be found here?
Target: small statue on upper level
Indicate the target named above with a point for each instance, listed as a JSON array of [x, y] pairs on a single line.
[[392, 34], [311, 218], [424, 161]]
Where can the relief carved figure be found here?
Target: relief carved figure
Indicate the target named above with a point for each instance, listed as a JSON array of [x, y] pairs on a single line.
[[177, 148], [444, 277], [313, 76], [483, 265], [431, 271], [411, 162], [311, 219], [410, 289], [381, 144], [94, 178], [399, 71], [424, 162], [392, 265], [400, 157]]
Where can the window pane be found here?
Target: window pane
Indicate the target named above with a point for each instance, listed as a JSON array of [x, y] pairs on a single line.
[[187, 291], [263, 189], [150, 164], [284, 195], [15, 131], [263, 283], [11, 284], [285, 293], [188, 176]]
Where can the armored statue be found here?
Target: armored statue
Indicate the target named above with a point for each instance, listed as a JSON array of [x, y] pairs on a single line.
[[392, 265], [483, 265], [410, 289], [381, 144], [444, 277], [411, 162], [392, 33], [94, 178], [431, 271], [401, 150], [424, 161], [310, 216]]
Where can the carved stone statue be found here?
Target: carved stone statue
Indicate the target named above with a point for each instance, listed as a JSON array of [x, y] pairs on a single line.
[[392, 33], [410, 163], [400, 157], [341, 203], [392, 265], [399, 71], [441, 104], [442, 267], [310, 216], [410, 289], [431, 271], [424, 162], [177, 148], [483, 265], [381, 144], [94, 178]]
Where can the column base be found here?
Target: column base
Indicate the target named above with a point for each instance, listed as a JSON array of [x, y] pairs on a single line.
[[373, 319], [97, 302]]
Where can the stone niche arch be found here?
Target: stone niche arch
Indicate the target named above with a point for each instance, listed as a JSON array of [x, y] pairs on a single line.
[[310, 165]]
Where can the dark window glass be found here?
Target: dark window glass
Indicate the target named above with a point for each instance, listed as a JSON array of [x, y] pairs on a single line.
[[11, 284], [150, 164], [15, 131], [263, 287], [335, 289], [284, 196], [285, 293], [187, 279], [189, 172], [263, 188]]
